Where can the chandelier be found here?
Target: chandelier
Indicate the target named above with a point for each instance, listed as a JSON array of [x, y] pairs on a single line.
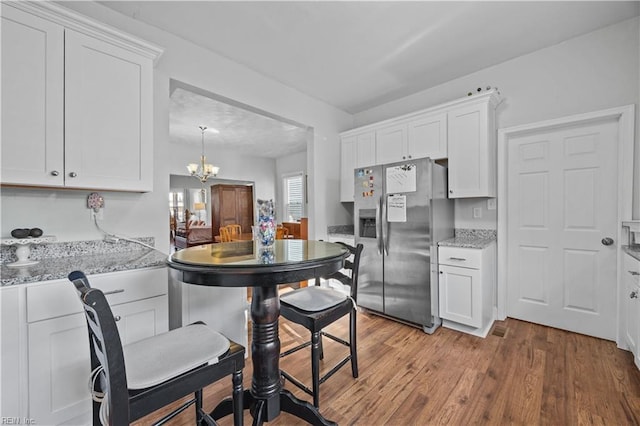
[[203, 171]]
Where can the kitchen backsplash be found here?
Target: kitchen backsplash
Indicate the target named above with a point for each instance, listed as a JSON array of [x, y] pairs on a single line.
[[74, 248], [340, 229]]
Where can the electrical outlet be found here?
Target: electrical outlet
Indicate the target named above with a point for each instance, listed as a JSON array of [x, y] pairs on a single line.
[[491, 204], [477, 212]]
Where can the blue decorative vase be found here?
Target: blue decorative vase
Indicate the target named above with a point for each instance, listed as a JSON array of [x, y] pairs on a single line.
[[266, 223]]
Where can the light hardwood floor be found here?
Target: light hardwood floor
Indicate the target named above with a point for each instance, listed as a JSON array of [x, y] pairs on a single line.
[[521, 374]]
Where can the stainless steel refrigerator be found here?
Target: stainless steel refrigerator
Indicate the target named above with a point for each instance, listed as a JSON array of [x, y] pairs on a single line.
[[401, 212]]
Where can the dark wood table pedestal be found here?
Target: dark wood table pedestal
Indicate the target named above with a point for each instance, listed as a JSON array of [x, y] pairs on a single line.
[[267, 398]]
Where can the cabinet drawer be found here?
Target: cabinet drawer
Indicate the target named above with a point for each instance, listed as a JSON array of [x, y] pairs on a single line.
[[57, 298], [458, 256], [631, 268]]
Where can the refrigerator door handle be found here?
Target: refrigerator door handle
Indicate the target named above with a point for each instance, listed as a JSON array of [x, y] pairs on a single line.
[[379, 227], [385, 227]]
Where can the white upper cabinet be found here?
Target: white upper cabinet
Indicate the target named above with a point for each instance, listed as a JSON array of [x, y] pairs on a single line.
[[424, 135], [347, 164], [357, 150], [472, 149], [391, 143], [32, 99], [77, 102], [108, 116], [427, 136], [365, 149], [462, 131]]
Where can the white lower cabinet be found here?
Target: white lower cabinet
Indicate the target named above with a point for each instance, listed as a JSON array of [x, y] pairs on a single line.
[[466, 288], [50, 340], [631, 277]]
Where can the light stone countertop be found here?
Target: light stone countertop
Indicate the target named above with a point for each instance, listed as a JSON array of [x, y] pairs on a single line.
[[470, 238], [89, 257]]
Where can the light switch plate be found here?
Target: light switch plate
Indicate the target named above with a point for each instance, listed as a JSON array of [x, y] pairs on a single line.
[[491, 204], [477, 212]]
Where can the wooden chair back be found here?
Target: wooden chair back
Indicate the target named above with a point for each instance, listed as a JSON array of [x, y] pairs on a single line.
[[106, 349], [225, 235], [352, 267], [234, 231]]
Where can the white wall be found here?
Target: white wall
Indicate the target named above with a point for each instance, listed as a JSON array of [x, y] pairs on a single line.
[[595, 71], [63, 213]]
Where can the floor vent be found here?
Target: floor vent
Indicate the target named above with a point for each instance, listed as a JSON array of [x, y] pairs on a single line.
[[499, 330]]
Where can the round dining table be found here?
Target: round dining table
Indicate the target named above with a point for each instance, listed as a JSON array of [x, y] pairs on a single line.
[[248, 264]]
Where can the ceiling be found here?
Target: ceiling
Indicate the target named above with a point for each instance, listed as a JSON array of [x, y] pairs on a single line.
[[355, 55], [241, 129]]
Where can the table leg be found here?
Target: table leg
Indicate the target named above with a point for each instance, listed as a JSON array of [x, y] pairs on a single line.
[[267, 398]]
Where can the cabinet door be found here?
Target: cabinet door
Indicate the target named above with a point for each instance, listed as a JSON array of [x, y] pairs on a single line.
[[460, 295], [142, 318], [59, 363], [108, 116], [631, 277], [348, 150], [59, 369], [365, 150], [428, 137], [32, 99], [391, 144], [471, 150], [244, 198]]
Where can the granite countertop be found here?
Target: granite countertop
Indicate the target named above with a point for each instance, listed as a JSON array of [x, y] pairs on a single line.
[[341, 231], [84, 257], [633, 251], [470, 238]]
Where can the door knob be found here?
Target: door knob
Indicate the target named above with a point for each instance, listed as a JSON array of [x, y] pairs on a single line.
[[73, 174], [607, 241]]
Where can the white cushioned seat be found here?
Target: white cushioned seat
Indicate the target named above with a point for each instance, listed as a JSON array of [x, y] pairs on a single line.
[[313, 298], [156, 359]]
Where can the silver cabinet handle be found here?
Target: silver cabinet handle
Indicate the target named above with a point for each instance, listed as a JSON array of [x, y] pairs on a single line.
[[55, 173], [120, 290], [459, 259], [634, 273], [117, 318], [73, 174], [634, 295]]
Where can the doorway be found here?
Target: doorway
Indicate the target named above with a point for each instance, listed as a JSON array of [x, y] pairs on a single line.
[[565, 186]]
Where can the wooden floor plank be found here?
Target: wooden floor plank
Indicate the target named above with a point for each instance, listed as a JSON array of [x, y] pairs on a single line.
[[525, 374]]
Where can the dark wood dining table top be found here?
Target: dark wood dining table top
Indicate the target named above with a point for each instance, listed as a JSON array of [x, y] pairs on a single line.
[[248, 264]]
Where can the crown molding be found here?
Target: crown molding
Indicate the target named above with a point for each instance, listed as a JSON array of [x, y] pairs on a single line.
[[83, 24]]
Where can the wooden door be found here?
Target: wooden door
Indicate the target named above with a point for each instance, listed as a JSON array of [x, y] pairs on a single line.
[[231, 204], [244, 209], [562, 204]]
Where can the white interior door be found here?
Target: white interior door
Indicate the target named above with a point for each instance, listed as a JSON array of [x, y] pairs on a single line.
[[562, 202]]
